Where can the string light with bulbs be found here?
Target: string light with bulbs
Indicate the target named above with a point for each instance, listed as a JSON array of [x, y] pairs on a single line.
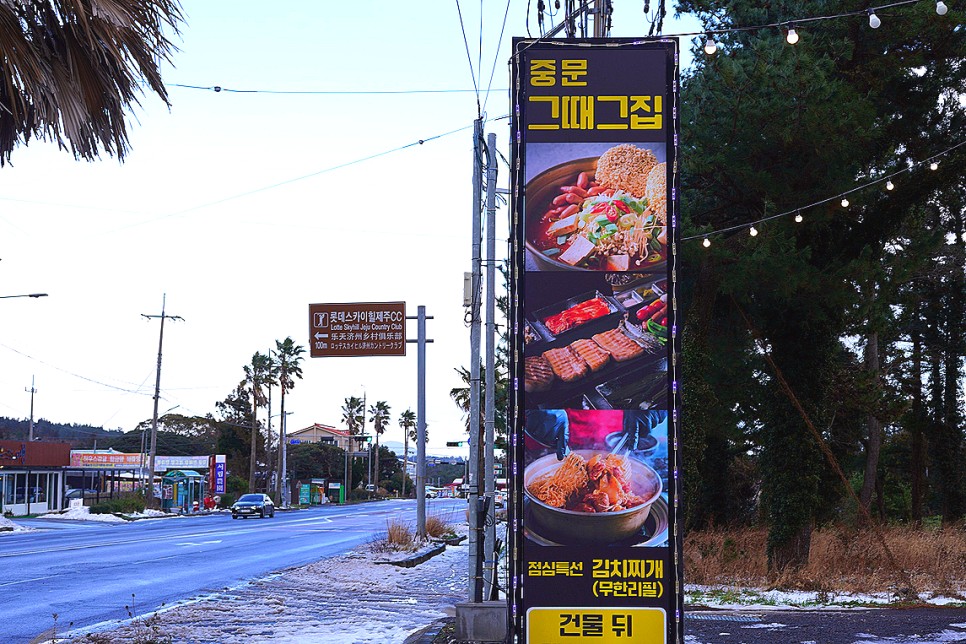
[[790, 27], [751, 226]]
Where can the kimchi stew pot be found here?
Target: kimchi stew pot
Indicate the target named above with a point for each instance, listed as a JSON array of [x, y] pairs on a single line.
[[552, 252], [573, 527]]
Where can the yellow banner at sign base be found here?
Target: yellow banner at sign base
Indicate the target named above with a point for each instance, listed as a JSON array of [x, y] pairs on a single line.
[[601, 625]]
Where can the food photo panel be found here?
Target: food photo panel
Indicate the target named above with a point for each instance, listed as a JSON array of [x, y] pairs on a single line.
[[596, 341], [596, 477], [596, 207]]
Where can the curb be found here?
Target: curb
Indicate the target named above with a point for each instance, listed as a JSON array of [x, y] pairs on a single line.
[[418, 559], [428, 635]]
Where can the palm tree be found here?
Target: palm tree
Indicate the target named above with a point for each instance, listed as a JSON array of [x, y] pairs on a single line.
[[71, 70], [352, 414], [379, 417], [258, 376], [288, 367], [407, 420]]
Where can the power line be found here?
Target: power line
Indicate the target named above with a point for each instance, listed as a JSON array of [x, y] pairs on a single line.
[[71, 373], [248, 193], [496, 55], [396, 92], [469, 59]]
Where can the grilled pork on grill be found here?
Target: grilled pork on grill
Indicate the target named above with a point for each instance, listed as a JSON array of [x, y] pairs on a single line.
[[618, 345], [567, 365], [591, 352], [537, 374]]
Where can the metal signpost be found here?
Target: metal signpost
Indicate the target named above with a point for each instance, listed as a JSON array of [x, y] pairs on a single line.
[[356, 329], [595, 400]]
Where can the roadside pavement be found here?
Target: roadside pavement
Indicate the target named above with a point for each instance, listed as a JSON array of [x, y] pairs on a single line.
[[349, 599]]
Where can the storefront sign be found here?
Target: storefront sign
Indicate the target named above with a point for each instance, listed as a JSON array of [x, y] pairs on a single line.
[[217, 472], [121, 460], [594, 344], [357, 329], [106, 460]]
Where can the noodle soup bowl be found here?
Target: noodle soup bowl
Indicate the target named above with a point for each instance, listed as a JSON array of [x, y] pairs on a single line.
[[581, 528]]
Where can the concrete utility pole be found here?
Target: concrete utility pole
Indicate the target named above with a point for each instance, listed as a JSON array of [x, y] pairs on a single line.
[[421, 342], [489, 394], [32, 390], [157, 394], [475, 542]]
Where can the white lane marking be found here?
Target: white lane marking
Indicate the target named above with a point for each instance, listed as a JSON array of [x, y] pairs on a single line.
[[199, 543], [24, 581]]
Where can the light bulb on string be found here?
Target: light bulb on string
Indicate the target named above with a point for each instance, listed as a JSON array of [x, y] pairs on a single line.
[[710, 46], [753, 231], [933, 166], [874, 21], [798, 217], [845, 202], [706, 242], [890, 185], [792, 36], [941, 8]]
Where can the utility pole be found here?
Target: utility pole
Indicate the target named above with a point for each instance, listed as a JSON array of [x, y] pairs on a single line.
[[489, 394], [475, 563], [602, 11], [421, 342], [157, 394], [32, 390]]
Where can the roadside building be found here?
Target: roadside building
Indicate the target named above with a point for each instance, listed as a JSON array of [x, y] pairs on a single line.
[[324, 434], [32, 476]]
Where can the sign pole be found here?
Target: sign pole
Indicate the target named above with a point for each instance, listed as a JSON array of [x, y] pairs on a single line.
[[421, 422], [421, 341]]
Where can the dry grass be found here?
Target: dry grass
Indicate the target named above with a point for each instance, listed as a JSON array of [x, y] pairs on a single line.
[[399, 535], [840, 559], [436, 527]]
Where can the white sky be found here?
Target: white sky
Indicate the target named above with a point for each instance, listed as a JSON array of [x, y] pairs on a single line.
[[108, 240]]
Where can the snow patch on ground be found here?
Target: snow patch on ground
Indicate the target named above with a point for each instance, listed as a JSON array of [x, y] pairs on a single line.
[[9, 527], [941, 637], [83, 514], [735, 598], [148, 514]]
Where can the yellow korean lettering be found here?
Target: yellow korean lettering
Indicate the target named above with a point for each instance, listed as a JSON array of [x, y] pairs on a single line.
[[543, 73]]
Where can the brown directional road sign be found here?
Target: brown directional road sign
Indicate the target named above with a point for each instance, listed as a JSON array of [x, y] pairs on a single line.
[[357, 329]]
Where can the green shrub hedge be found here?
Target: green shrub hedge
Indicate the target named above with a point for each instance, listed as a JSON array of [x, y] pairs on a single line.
[[125, 505]]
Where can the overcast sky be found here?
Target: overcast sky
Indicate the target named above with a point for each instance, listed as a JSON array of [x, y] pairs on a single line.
[[196, 212]]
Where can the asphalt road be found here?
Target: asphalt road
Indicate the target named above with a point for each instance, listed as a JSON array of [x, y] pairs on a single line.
[[850, 626], [86, 572]]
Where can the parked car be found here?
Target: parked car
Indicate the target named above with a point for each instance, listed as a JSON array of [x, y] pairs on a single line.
[[431, 494], [250, 505], [78, 493]]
